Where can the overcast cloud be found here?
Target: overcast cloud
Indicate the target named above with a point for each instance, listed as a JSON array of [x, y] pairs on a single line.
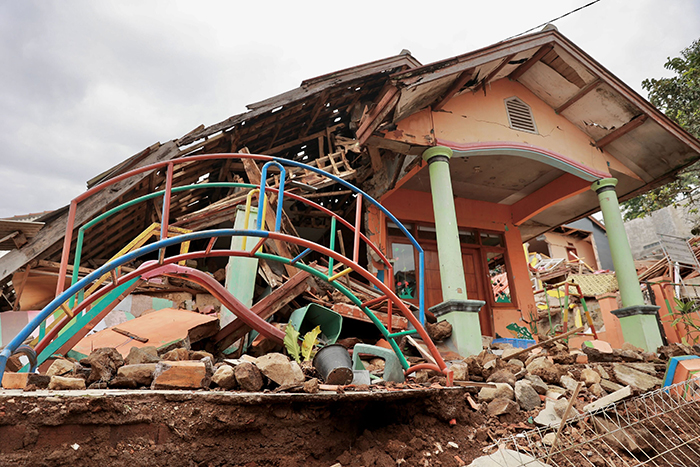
[[86, 84]]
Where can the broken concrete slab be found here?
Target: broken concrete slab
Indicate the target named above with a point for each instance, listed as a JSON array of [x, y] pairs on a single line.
[[548, 416], [609, 399], [506, 458], [631, 377]]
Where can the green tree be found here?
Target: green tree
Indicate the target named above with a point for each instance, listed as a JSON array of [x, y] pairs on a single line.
[[679, 98]]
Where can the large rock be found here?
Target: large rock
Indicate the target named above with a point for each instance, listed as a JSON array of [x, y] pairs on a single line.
[[631, 377], [63, 383], [279, 369], [568, 382], [439, 331], [538, 385], [589, 376], [177, 355], [60, 367], [182, 374], [526, 396], [248, 377], [461, 371], [501, 406], [137, 355], [502, 390], [545, 369], [502, 376], [508, 353], [224, 377], [140, 373], [104, 363]]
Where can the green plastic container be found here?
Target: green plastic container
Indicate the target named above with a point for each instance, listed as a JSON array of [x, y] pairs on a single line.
[[312, 315]]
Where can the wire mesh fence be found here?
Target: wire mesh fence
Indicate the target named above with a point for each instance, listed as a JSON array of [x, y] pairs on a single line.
[[659, 428]]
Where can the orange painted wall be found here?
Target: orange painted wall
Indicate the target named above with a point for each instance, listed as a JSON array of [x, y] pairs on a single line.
[[473, 117], [417, 206]]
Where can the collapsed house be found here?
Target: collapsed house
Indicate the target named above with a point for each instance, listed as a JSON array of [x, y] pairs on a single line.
[[392, 193]]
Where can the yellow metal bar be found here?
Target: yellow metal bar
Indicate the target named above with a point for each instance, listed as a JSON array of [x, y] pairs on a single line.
[[340, 274], [246, 217]]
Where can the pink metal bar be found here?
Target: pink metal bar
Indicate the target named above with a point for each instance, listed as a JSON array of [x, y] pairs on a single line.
[[358, 221], [257, 246], [165, 216], [68, 237], [210, 245]]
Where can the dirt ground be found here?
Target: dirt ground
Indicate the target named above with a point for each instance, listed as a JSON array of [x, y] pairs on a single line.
[[215, 428]]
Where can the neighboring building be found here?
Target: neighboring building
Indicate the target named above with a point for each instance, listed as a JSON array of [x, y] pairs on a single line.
[[677, 221]]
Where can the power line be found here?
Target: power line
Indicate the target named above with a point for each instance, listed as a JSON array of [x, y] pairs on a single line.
[[555, 19]]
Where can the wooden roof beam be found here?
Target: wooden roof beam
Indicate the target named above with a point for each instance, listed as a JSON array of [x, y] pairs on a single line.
[[371, 121], [492, 75], [623, 130], [518, 72], [585, 90], [458, 83]]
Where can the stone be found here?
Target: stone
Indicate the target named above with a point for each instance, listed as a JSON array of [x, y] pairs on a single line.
[[439, 331], [177, 355], [597, 390], [633, 348], [625, 440], [629, 356], [311, 386], [141, 373], [560, 407], [121, 382], [278, 368], [64, 383], [609, 399], [538, 385], [609, 385], [182, 374], [501, 406], [554, 392], [422, 376], [549, 438], [545, 369], [104, 363], [502, 376], [526, 396], [60, 367], [506, 458], [507, 354], [590, 376], [249, 377], [38, 381], [601, 371], [11, 380], [516, 364], [631, 377], [502, 391], [568, 382], [648, 368], [200, 354], [461, 371], [224, 377], [137, 355]]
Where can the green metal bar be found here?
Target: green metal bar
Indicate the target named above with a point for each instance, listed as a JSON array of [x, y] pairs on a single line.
[[403, 333], [332, 247], [350, 295], [128, 204]]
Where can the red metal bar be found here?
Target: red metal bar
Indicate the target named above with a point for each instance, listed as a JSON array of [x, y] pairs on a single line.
[[68, 237], [165, 216], [210, 245], [257, 246], [358, 222], [389, 305], [374, 301]]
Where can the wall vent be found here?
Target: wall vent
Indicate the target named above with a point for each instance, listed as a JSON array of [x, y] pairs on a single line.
[[520, 115]]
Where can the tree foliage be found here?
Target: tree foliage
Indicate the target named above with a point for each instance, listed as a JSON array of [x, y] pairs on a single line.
[[679, 98]]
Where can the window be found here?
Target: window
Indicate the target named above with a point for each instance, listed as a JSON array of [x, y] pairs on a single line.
[[498, 273], [520, 115]]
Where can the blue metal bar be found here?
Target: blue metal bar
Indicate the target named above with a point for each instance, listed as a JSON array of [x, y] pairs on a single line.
[[301, 255], [280, 194]]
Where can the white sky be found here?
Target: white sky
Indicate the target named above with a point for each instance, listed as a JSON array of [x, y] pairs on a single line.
[[86, 84]]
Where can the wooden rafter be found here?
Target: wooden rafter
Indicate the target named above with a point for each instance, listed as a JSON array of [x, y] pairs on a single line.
[[585, 90], [491, 75], [458, 83], [320, 104], [371, 121], [518, 72], [623, 130]]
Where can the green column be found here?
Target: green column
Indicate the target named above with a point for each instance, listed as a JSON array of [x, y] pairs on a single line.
[[457, 309], [637, 320], [449, 249]]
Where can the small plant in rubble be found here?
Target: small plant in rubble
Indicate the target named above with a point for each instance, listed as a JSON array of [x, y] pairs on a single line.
[[686, 314], [306, 350]]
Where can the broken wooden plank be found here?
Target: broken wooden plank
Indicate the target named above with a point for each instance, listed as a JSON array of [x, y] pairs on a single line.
[[130, 335]]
